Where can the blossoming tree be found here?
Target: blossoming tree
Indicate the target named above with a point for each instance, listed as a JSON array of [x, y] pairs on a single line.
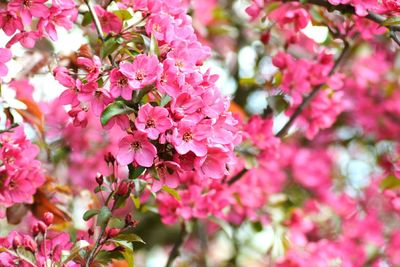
[[292, 159]]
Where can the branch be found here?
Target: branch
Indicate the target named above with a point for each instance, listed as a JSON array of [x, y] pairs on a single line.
[[97, 25], [313, 93], [348, 9], [299, 109], [178, 243]]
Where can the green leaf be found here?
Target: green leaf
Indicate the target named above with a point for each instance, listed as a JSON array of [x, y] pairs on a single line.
[[108, 47], [123, 14], [129, 238], [257, 226], [104, 216], [100, 188], [90, 213], [390, 182], [116, 108], [277, 103], [165, 99], [87, 19], [154, 50], [76, 249], [116, 222], [391, 21], [26, 255], [106, 256], [135, 172], [129, 258], [172, 192], [136, 201]]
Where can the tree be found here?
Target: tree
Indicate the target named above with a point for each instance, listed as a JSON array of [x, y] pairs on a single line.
[[142, 150]]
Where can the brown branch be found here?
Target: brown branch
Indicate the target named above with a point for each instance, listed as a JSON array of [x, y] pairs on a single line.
[[299, 109], [178, 243]]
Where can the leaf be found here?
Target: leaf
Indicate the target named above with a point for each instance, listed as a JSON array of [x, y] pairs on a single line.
[[78, 246], [172, 192], [129, 237], [16, 213], [277, 103], [26, 255], [123, 14], [136, 201], [116, 108], [87, 19], [391, 21], [42, 204], [104, 216], [108, 47], [135, 172], [90, 213], [390, 182], [154, 50], [165, 99], [106, 256]]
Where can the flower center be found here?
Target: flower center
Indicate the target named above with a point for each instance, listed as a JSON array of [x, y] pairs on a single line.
[[187, 136], [122, 82], [136, 146], [140, 75], [27, 3], [150, 123]]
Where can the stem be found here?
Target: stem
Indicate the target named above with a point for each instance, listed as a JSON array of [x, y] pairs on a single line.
[[178, 243], [97, 25], [313, 93], [348, 9], [102, 232], [299, 109]]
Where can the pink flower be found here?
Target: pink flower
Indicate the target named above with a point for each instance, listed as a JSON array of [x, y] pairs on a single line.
[[10, 22], [5, 56], [153, 120], [212, 165], [26, 39], [120, 85], [29, 9], [189, 136], [91, 66], [136, 148], [143, 71], [20, 173], [168, 173], [109, 21]]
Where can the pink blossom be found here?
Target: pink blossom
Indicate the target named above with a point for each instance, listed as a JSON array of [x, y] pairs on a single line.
[[143, 71], [211, 165], [153, 120], [91, 66], [189, 136], [120, 85], [109, 21], [10, 23], [5, 56], [26, 39], [28, 9], [136, 148]]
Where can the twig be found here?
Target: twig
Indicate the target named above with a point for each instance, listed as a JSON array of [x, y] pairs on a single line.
[[311, 96], [299, 109], [178, 243], [98, 26]]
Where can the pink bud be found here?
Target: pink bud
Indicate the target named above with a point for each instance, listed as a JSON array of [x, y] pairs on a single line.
[[48, 218], [112, 232], [17, 242], [29, 244], [42, 227]]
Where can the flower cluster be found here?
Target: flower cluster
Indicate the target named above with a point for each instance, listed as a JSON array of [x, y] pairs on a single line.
[[20, 173]]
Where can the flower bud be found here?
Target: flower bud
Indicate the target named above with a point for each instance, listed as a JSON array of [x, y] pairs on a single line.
[[123, 188], [42, 227], [112, 232], [99, 179], [35, 229], [48, 218], [17, 241], [90, 232], [109, 158], [29, 244]]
